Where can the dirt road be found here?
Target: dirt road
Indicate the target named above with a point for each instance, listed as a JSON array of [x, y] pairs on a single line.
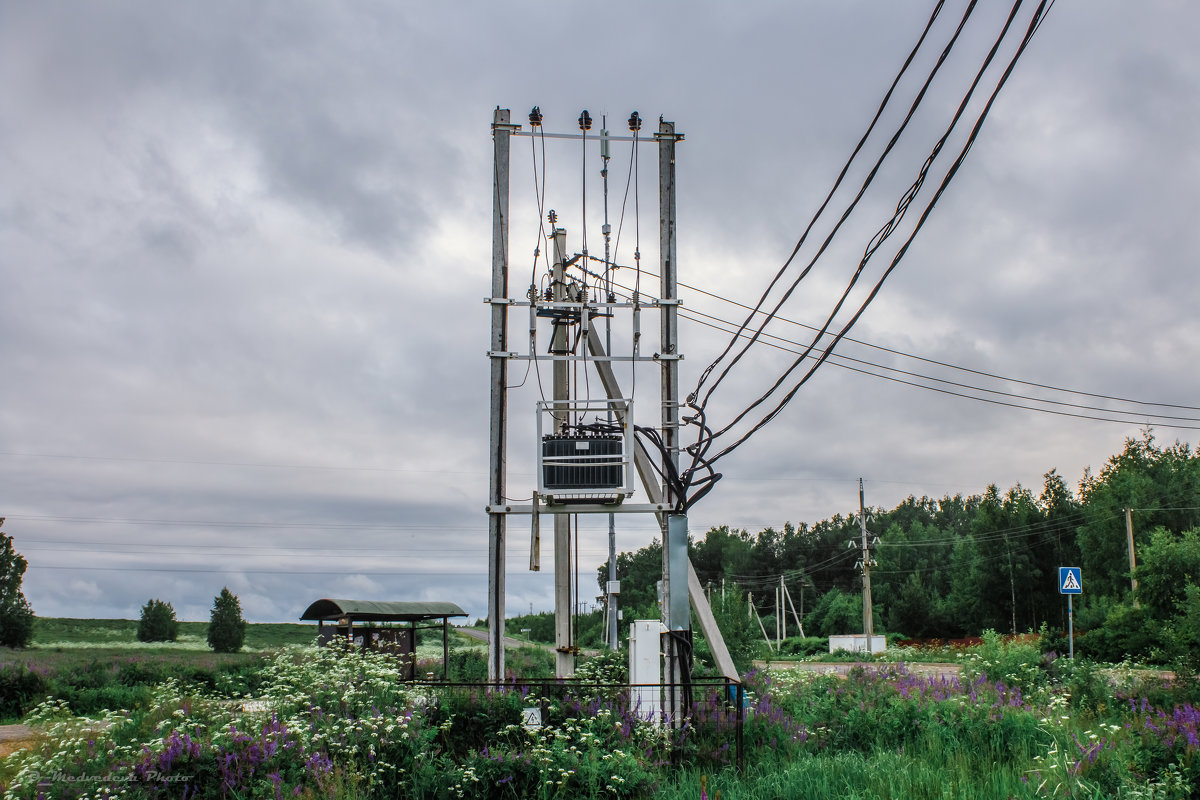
[[15, 737]]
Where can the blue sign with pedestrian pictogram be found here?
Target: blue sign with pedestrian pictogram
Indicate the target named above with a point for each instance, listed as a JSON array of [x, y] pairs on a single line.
[[1070, 580]]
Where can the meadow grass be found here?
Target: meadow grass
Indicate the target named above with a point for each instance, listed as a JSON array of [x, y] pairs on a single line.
[[64, 632], [880, 775], [318, 723]]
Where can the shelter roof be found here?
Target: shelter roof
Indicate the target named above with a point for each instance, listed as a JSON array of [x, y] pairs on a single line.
[[378, 611]]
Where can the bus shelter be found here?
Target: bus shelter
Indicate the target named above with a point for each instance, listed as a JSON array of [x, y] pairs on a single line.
[[389, 627]]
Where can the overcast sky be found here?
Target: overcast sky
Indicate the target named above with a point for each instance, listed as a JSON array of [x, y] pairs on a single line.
[[243, 248]]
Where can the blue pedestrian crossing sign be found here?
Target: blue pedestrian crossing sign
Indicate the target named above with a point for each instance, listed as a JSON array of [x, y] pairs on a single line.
[[1070, 580]]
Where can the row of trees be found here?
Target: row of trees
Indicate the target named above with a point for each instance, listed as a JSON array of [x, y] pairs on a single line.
[[157, 623], [226, 628], [961, 565]]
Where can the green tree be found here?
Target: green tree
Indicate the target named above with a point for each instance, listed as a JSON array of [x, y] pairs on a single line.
[[1160, 622], [16, 617], [1162, 485], [911, 612], [639, 573], [837, 612], [157, 623], [226, 628], [740, 632]]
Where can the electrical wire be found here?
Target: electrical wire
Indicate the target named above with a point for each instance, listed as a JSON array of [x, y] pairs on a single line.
[[699, 451], [535, 120], [1161, 420], [936, 362], [836, 185], [892, 351], [786, 345], [886, 231]]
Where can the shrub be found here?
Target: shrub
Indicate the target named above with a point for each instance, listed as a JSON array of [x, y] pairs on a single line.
[[1016, 663], [805, 645], [607, 666], [16, 617], [226, 628], [157, 623], [20, 689], [467, 666]]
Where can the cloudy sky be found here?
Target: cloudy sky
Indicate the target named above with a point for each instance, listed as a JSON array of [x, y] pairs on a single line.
[[243, 248]]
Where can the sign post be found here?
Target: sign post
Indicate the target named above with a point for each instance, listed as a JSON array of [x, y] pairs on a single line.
[[1070, 583]]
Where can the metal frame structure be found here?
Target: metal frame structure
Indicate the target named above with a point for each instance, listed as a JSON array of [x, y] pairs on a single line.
[[623, 460], [679, 578]]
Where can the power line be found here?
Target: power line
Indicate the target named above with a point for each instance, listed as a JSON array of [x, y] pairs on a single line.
[[227, 570], [1139, 419], [256, 464], [705, 438], [773, 340], [936, 362], [784, 388]]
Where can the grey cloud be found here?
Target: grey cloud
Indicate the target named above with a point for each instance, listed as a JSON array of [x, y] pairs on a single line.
[[239, 234]]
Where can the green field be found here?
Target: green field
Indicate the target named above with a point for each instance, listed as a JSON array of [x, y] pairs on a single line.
[[64, 632]]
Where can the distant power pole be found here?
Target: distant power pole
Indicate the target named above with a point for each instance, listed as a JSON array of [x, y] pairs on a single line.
[[1132, 562], [868, 614]]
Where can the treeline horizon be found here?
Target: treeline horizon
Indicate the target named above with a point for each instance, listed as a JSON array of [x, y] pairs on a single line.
[[960, 565]]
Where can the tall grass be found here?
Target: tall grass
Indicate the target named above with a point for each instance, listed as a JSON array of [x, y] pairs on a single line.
[[323, 724], [878, 775]]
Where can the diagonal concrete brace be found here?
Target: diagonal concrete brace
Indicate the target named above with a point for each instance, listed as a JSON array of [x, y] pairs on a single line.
[[645, 467]]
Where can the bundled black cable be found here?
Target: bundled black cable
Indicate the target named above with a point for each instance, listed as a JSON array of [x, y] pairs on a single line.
[[699, 477]]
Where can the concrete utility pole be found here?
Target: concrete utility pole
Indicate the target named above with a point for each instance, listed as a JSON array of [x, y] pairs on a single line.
[[564, 661], [677, 614], [567, 310], [1132, 562], [610, 595], [498, 439], [868, 613]]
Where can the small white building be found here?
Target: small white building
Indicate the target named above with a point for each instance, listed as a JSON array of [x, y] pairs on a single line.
[[857, 643]]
